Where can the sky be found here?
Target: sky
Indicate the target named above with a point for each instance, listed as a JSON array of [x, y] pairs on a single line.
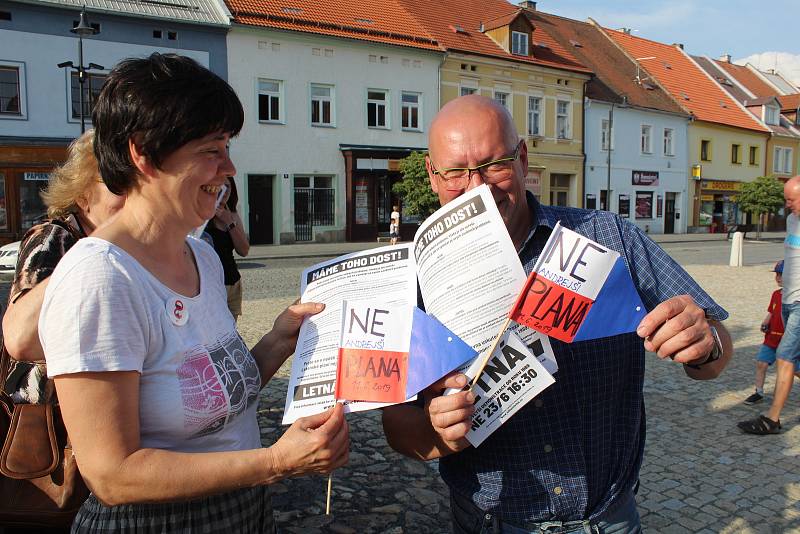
[[747, 30]]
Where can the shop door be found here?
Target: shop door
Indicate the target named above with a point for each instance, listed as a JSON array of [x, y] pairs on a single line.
[[383, 202], [259, 195], [669, 214]]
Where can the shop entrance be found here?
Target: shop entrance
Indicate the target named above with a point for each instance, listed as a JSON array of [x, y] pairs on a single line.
[[669, 213], [259, 198]]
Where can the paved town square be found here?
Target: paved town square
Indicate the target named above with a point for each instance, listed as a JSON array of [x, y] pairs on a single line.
[[700, 473]]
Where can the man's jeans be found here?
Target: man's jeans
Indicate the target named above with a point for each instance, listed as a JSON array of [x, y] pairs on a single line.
[[789, 347], [469, 519]]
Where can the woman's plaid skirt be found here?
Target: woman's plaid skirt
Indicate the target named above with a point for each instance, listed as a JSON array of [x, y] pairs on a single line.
[[243, 511]]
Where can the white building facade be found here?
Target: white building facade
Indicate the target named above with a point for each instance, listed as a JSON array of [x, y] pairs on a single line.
[[40, 112], [649, 162], [327, 120]]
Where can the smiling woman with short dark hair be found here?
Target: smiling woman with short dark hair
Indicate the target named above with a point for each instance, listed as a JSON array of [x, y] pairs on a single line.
[[157, 389]]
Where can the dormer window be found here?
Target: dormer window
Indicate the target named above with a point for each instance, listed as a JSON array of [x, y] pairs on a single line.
[[519, 43], [771, 115]]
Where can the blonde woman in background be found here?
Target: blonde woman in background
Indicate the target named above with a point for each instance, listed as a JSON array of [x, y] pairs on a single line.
[[77, 203]]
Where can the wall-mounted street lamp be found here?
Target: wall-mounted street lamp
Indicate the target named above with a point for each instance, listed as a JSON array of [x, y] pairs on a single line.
[[83, 29]]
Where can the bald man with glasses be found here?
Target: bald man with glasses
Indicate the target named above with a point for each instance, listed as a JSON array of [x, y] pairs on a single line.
[[570, 460]]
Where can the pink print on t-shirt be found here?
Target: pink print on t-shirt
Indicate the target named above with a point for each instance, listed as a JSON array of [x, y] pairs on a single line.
[[217, 384]]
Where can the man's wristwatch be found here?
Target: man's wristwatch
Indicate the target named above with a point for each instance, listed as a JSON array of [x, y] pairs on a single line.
[[715, 353], [230, 226]]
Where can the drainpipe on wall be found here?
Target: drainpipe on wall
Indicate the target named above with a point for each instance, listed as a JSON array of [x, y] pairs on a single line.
[[439, 81], [608, 156], [582, 202]]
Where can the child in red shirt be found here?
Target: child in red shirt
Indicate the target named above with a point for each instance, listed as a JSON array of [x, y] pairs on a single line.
[[772, 326]]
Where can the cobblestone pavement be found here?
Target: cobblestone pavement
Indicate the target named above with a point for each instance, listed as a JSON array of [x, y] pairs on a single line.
[[700, 473]]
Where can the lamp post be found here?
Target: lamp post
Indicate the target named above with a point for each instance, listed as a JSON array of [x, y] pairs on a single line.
[[83, 29]]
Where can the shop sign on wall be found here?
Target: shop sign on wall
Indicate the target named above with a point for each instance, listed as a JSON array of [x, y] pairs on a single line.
[[36, 176], [644, 177], [719, 185], [533, 182]]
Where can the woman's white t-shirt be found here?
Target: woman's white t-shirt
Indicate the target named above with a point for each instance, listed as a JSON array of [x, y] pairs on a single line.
[[199, 384]]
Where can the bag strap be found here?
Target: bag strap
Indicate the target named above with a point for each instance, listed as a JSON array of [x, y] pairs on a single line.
[[4, 364]]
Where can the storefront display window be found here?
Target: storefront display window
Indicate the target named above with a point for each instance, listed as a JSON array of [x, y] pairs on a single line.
[[624, 206], [706, 211], [362, 201], [644, 205], [32, 207], [3, 215]]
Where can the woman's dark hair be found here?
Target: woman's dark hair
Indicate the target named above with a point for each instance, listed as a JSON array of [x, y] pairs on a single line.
[[165, 101], [233, 199]]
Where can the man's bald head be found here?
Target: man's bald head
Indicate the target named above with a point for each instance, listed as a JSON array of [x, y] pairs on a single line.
[[791, 192], [465, 114], [469, 132]]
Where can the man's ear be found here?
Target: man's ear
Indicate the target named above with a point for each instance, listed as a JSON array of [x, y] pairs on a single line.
[[431, 176], [523, 156], [138, 158]]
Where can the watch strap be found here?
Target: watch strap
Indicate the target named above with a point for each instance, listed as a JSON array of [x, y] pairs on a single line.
[[714, 355]]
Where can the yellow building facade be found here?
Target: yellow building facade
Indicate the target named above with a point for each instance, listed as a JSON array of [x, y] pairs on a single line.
[[721, 159], [547, 107]]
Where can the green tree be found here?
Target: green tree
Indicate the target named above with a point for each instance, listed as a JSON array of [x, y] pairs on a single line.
[[761, 197], [415, 189]]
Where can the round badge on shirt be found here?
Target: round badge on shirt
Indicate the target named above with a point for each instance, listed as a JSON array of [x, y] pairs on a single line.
[[176, 311]]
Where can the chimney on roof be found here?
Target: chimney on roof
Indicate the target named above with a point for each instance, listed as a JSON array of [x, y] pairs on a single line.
[[626, 31], [725, 58], [679, 45], [528, 4]]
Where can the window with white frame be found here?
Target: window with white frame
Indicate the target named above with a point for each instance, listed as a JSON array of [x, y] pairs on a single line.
[[771, 114], [410, 111], [669, 142], [11, 91], [782, 162], [563, 126], [519, 43], [502, 98], [534, 115], [647, 139], [377, 105], [269, 100], [322, 111], [92, 84], [465, 90], [606, 135]]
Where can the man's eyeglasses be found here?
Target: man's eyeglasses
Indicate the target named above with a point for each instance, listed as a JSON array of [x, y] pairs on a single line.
[[492, 172]]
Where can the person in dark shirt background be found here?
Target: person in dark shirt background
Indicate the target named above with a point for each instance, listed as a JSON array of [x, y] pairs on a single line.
[[228, 234]]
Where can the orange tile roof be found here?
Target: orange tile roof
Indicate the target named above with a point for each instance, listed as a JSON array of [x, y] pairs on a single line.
[[441, 25], [687, 83], [383, 21], [615, 73], [503, 20], [790, 102], [748, 78], [440, 16]]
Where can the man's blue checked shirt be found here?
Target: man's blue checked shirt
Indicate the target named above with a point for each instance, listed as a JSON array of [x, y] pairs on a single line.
[[574, 452]]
